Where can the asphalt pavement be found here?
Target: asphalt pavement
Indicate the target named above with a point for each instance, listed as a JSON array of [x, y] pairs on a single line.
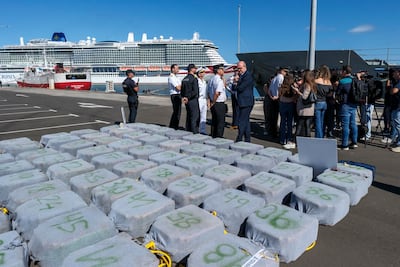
[[368, 236]]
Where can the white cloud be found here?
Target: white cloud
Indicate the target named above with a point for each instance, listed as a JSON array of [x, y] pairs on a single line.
[[362, 28]]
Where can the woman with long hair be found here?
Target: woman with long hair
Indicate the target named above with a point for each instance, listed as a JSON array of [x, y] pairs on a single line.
[[287, 107], [305, 111], [324, 88]]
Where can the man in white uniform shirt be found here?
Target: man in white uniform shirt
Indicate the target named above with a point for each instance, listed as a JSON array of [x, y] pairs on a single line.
[[174, 86], [217, 95], [202, 100]]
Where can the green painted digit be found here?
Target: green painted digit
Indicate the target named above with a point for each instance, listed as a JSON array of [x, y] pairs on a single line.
[[222, 251], [99, 261], [71, 221], [241, 201], [164, 172], [183, 219], [140, 200], [45, 187], [2, 256]]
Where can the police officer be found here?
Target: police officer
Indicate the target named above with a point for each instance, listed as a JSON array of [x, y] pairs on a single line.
[[190, 97], [217, 95], [131, 88]]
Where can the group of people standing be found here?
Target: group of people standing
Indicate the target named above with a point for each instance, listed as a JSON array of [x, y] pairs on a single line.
[[198, 96]]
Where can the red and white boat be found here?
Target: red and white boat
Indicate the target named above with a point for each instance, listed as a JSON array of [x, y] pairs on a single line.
[[55, 78]]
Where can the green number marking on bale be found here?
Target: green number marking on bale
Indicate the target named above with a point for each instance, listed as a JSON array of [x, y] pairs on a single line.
[[71, 165], [140, 199], [342, 177], [318, 191], [71, 221], [2, 254], [264, 179], [197, 160], [183, 220], [163, 172], [118, 187], [49, 202], [223, 251], [223, 170], [288, 166], [276, 218], [241, 201], [92, 177], [40, 188], [193, 184], [100, 261]]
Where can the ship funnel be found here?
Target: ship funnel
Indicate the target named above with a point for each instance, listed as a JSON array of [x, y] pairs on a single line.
[[130, 37], [196, 36], [21, 41], [93, 40], [88, 40], [144, 37]]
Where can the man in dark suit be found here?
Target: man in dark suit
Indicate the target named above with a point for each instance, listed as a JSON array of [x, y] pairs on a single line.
[[190, 97], [245, 101]]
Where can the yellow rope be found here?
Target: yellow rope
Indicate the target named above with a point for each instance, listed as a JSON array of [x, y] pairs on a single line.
[[310, 247], [165, 259], [4, 210]]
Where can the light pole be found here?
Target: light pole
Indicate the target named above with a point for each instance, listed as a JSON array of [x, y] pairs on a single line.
[[313, 26]]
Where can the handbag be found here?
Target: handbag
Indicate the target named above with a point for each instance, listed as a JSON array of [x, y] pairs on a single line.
[[312, 98]]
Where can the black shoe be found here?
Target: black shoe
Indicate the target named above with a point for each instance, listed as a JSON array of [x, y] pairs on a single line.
[[353, 146]]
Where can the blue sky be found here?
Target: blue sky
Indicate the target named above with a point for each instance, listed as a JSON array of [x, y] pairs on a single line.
[[369, 26]]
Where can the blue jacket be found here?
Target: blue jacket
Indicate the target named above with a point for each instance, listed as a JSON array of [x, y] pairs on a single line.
[[244, 89], [344, 89]]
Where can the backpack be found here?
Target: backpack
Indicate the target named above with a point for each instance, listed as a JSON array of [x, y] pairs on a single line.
[[358, 91]]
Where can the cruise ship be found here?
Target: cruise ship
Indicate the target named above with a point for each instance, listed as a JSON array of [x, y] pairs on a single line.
[[107, 61]]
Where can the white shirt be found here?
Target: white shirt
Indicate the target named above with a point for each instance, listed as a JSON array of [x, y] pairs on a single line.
[[173, 82], [202, 88], [276, 84], [217, 85]]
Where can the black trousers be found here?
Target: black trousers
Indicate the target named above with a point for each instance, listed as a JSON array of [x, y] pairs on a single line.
[[192, 116], [218, 111], [235, 111], [303, 126], [133, 104], [272, 117], [176, 100], [244, 124]]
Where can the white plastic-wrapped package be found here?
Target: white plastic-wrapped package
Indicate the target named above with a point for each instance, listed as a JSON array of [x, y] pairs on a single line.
[[33, 212], [227, 175], [196, 149], [136, 212], [144, 151], [158, 178], [107, 161], [119, 132], [255, 163], [10, 142], [181, 231], [246, 147], [6, 157], [282, 230], [154, 139], [192, 190], [88, 153], [10, 182], [174, 144], [117, 251], [94, 136], [160, 130], [223, 155], [107, 129], [65, 170], [106, 140], [124, 145], [13, 251], [278, 154], [15, 166], [84, 183], [47, 137], [177, 134], [196, 165], [5, 224], [271, 187], [135, 135], [22, 147], [53, 240], [354, 169], [219, 142], [83, 132], [37, 190], [196, 138], [136, 125], [231, 250], [44, 162], [355, 186], [73, 147], [233, 207], [167, 157], [32, 154], [132, 168], [299, 173], [329, 205], [105, 194], [56, 142], [294, 158]]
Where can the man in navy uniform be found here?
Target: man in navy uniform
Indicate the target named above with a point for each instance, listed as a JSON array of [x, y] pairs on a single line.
[[131, 88], [245, 101], [190, 97]]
